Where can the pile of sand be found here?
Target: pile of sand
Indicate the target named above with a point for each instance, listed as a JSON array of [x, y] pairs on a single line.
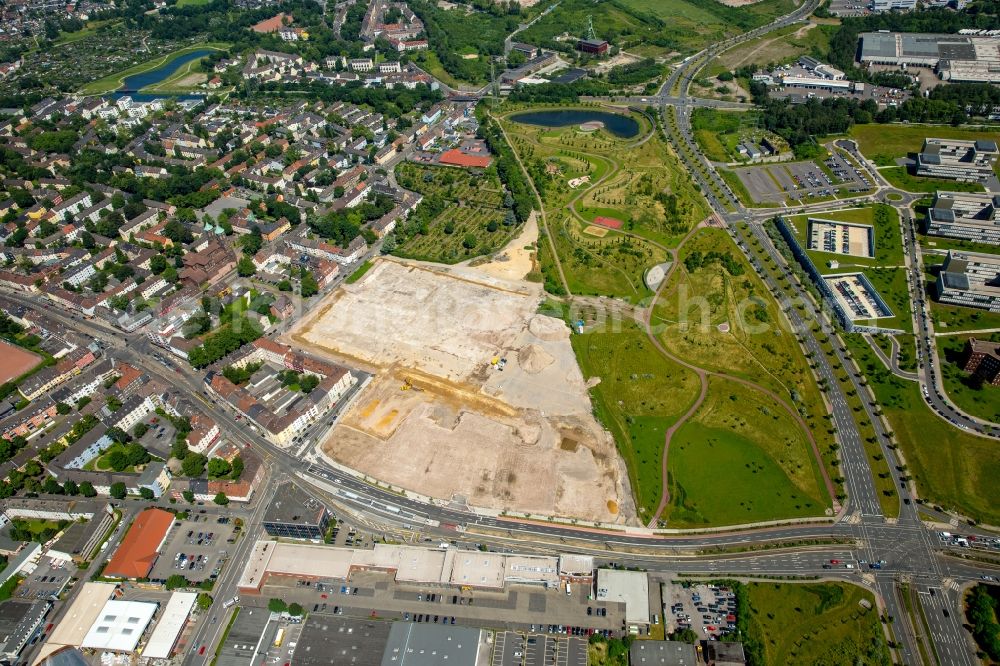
[[533, 359], [548, 328]]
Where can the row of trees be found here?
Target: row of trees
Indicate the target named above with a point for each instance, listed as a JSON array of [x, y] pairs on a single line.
[[507, 166]]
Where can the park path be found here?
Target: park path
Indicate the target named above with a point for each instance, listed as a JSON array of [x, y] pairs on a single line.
[[645, 321]]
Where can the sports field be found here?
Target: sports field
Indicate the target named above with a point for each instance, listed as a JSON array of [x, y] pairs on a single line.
[[815, 623], [15, 361]]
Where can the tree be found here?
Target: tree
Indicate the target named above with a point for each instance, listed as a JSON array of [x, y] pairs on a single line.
[[117, 460], [284, 285], [188, 496], [52, 487], [63, 409], [118, 490], [221, 499], [237, 470], [245, 267], [136, 455], [218, 467], [87, 489], [204, 601], [70, 488], [277, 606], [146, 494], [309, 285], [176, 581], [139, 430], [469, 241], [157, 264], [295, 609], [194, 464]]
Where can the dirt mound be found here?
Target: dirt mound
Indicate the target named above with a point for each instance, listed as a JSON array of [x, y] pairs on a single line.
[[533, 359], [548, 328]]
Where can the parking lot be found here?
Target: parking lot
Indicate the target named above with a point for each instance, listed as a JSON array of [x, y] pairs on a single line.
[[196, 548], [514, 649], [47, 581], [849, 8], [708, 610], [796, 181]]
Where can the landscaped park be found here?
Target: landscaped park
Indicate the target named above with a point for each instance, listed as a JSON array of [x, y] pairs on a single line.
[[667, 384]]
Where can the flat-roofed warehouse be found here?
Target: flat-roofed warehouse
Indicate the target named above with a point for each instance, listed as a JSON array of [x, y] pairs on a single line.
[[119, 626], [967, 58], [972, 216], [628, 587], [970, 279], [78, 618], [409, 564], [967, 161], [168, 629], [413, 644]]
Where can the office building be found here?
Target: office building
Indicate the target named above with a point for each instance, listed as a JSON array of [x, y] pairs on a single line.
[[982, 359], [970, 279], [957, 160], [971, 216]]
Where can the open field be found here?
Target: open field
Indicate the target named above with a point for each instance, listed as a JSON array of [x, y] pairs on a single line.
[[760, 469], [640, 394], [951, 467], [899, 177], [441, 419], [112, 82], [187, 78], [970, 394], [776, 47], [719, 132], [718, 315], [884, 143], [816, 623], [16, 361], [470, 205]]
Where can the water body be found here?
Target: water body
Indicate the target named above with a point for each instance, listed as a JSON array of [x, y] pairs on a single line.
[[616, 123], [137, 82]]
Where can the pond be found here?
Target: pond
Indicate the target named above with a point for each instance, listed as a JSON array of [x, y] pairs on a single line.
[[620, 125], [132, 84]]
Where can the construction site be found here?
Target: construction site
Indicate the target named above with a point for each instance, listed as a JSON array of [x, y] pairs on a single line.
[[475, 397]]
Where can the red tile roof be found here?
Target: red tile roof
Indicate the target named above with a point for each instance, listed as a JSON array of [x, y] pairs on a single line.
[[137, 553], [458, 158]]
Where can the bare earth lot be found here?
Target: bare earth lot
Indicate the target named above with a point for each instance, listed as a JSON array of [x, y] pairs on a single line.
[[440, 419], [15, 361]]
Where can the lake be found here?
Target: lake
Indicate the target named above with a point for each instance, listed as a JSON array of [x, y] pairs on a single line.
[[137, 82], [616, 123]]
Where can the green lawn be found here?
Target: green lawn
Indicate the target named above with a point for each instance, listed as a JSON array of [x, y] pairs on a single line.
[[640, 395], [112, 82], [89, 29], [359, 272], [970, 395], [901, 178], [734, 465], [952, 468], [815, 623], [884, 143], [195, 3]]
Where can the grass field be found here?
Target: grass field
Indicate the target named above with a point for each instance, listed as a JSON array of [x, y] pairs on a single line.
[[192, 3], [359, 272], [89, 29], [470, 205], [884, 143], [777, 47], [816, 623], [901, 178], [640, 395], [971, 396], [114, 81], [719, 132], [759, 468], [952, 468]]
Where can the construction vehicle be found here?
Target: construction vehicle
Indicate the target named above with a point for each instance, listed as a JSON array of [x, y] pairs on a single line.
[[407, 385]]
